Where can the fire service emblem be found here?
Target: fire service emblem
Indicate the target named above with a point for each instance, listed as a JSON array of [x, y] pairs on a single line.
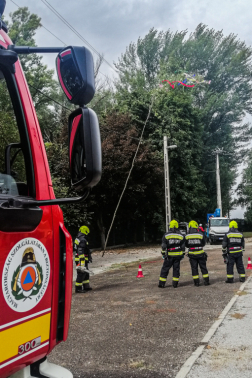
[[26, 275]]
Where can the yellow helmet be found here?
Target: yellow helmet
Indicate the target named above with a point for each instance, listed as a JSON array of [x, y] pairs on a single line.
[[193, 224], [233, 224], [84, 230], [173, 224]]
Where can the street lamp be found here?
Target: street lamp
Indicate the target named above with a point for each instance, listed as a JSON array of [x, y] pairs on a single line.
[[167, 182]]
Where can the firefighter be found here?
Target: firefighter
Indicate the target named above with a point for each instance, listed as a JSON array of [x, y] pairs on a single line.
[[195, 241], [201, 228], [82, 258], [232, 250], [173, 250]]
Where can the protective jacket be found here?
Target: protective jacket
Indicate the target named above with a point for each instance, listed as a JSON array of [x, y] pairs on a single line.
[[232, 247], [173, 247], [82, 258], [83, 253], [173, 243], [233, 241], [195, 240]]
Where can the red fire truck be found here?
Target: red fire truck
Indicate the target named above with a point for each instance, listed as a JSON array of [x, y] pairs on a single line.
[[35, 247]]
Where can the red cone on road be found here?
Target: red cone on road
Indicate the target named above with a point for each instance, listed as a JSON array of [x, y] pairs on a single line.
[[140, 272], [249, 266]]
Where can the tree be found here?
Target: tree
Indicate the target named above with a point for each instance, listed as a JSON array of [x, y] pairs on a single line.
[[244, 190], [141, 201], [226, 61], [44, 89]]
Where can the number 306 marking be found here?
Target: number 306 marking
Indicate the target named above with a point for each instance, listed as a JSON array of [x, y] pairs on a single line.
[[29, 345]]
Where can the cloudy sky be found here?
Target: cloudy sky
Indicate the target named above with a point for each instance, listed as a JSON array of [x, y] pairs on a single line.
[[110, 25]]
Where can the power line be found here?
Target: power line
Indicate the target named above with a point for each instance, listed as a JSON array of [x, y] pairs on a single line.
[[44, 27], [48, 5], [50, 98], [65, 44]]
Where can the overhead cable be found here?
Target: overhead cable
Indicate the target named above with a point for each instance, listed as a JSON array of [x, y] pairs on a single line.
[[44, 27], [65, 44], [46, 3]]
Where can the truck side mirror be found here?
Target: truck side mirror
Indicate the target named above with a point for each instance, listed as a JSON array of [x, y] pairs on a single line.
[[84, 148], [75, 68]]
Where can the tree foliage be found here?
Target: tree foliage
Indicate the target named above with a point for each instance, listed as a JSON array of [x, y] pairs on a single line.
[[221, 106], [198, 120]]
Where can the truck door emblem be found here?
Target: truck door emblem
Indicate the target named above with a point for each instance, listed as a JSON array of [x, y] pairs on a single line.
[[26, 275]]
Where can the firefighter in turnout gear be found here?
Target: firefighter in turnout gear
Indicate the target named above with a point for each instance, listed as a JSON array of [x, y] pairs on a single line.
[[82, 258], [232, 249], [173, 250], [195, 241]]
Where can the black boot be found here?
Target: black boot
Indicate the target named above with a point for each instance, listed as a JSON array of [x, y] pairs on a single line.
[[78, 289], [87, 287], [242, 279], [161, 284], [229, 280], [206, 281], [196, 282], [175, 284]]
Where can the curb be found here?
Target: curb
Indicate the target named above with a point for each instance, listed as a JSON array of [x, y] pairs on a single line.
[[196, 354]]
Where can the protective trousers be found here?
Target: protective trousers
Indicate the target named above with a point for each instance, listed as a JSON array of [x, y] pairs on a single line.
[[196, 261], [168, 263], [82, 278], [86, 278], [235, 258]]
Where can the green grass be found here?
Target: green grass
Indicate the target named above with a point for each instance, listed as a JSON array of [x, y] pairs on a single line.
[[247, 234]]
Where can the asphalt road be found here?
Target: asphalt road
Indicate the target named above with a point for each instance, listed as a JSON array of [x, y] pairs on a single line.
[[128, 327]]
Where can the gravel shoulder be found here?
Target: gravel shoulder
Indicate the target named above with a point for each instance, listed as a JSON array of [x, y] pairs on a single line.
[[128, 327], [228, 354]]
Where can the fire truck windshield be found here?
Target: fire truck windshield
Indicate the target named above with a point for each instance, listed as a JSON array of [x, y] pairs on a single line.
[[13, 175]]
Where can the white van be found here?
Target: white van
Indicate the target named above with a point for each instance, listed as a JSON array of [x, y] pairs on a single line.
[[217, 228]]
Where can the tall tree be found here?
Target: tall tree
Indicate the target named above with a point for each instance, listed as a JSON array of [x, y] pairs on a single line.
[[226, 61], [141, 202], [244, 190]]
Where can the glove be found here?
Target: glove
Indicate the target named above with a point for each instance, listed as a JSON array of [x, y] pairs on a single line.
[[163, 254], [90, 259], [225, 257], [205, 256]]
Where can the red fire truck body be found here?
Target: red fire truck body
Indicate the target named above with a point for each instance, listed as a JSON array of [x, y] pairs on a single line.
[[36, 258], [17, 329]]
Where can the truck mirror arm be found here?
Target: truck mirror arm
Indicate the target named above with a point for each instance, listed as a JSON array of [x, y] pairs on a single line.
[[26, 203], [32, 50]]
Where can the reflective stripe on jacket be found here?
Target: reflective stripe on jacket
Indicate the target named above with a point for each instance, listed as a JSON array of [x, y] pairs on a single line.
[[173, 243], [233, 241], [195, 241]]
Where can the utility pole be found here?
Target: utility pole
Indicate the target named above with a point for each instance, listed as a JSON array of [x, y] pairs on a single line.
[[218, 185], [167, 186], [219, 204], [167, 183]]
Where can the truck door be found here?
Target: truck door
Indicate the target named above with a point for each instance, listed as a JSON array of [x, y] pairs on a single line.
[[26, 234]]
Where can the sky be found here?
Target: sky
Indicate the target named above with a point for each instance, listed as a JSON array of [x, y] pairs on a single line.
[[110, 25]]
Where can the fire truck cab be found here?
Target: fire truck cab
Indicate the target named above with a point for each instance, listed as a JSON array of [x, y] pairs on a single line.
[[35, 247]]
